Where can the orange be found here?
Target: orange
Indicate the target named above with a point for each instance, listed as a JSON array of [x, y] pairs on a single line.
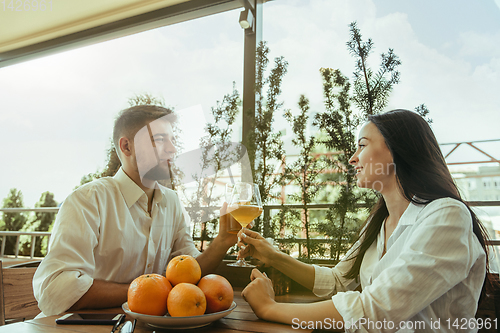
[[183, 268], [218, 292], [185, 300], [148, 294]]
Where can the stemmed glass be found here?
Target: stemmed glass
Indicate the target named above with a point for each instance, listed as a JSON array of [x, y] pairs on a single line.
[[244, 207], [229, 192], [233, 226]]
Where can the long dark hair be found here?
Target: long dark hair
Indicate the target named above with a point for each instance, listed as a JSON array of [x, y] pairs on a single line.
[[422, 175]]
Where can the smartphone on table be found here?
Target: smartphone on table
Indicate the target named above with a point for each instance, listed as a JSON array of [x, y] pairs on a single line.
[[89, 319]]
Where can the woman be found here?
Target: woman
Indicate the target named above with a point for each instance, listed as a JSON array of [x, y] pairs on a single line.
[[420, 258]]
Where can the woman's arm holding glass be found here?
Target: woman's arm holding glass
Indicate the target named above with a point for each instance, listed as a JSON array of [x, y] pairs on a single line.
[[253, 244]]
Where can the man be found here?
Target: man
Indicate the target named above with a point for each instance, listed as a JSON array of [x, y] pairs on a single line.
[[112, 230]]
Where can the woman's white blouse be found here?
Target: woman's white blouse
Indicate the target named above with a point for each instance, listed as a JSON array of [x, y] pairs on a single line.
[[430, 276]]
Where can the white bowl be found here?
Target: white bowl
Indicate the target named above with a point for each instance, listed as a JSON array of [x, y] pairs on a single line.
[[167, 321]]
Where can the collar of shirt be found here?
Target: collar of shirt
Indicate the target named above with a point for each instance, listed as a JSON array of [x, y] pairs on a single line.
[[408, 218], [410, 215], [132, 192]]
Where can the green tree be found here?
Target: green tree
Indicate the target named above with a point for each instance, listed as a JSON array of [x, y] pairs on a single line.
[[13, 221], [339, 124], [217, 152], [113, 163], [304, 171], [87, 179], [43, 221], [423, 111], [266, 146], [371, 90], [370, 94]]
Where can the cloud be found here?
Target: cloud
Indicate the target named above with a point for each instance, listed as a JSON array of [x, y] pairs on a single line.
[[457, 91], [476, 44], [48, 165]]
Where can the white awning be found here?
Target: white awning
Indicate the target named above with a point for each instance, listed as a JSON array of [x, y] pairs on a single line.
[[33, 28]]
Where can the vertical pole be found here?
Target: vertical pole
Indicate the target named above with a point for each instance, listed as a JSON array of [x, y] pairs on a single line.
[[2, 305], [267, 212], [252, 39], [3, 245], [48, 242], [17, 244], [33, 239]]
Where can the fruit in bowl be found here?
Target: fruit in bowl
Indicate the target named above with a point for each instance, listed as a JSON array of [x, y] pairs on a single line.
[[148, 294], [180, 291], [218, 292], [183, 268], [185, 300]]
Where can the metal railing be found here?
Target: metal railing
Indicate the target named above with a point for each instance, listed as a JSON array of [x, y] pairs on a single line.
[[267, 212], [18, 234], [300, 241]]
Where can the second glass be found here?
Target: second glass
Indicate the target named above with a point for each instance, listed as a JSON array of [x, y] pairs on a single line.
[[233, 227], [244, 207]]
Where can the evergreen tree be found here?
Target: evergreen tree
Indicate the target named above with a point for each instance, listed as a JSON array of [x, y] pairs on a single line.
[[113, 163], [305, 171], [371, 90], [217, 153], [370, 95], [339, 123], [43, 221], [266, 147], [12, 221], [423, 111]]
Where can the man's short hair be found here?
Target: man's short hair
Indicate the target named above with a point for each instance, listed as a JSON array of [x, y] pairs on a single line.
[[131, 120]]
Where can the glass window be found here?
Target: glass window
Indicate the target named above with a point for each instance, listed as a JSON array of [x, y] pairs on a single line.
[[57, 112]]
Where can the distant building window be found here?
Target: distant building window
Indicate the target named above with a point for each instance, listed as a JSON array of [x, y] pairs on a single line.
[[486, 182]]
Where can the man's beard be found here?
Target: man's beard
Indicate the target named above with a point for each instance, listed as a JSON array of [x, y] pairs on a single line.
[[159, 172]]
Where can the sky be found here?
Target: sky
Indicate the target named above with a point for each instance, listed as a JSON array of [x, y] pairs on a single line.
[[56, 112]]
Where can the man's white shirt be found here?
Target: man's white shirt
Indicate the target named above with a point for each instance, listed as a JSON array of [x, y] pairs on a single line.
[[104, 231]]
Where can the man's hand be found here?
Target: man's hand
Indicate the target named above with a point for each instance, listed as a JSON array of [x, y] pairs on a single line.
[[224, 222], [213, 255]]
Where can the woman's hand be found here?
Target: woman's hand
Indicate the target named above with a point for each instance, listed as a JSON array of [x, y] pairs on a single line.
[[253, 244], [259, 294]]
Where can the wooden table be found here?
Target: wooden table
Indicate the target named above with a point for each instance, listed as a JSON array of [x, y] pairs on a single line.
[[242, 319]]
